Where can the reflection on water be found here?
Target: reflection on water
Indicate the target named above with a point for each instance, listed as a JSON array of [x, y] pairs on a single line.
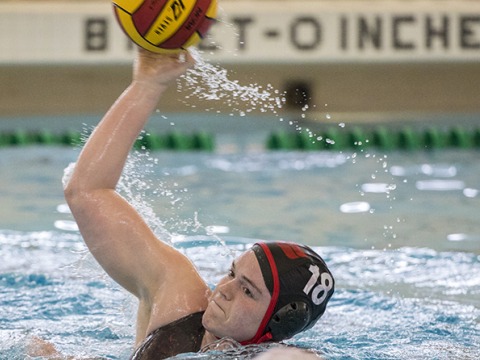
[[400, 232]]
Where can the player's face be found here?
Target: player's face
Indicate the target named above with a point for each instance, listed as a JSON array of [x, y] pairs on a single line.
[[239, 302]]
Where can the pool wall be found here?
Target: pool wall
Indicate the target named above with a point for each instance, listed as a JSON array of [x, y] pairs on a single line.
[[418, 74]]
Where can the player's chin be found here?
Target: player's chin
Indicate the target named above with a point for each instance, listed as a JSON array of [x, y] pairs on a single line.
[[213, 322], [208, 320]]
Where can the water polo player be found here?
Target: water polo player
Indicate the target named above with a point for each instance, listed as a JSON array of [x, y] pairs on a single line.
[[273, 291]]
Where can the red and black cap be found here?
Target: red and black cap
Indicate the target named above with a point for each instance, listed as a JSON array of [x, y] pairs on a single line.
[[300, 284]]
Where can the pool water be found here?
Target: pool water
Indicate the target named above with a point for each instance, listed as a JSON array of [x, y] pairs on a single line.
[[400, 232]]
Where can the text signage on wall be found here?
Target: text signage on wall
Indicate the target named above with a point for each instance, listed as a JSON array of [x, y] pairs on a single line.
[[256, 31]]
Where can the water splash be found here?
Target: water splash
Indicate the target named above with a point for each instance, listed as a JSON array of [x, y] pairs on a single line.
[[210, 82], [141, 188], [137, 187]]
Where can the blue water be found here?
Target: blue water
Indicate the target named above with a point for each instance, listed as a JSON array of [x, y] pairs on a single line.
[[399, 230]]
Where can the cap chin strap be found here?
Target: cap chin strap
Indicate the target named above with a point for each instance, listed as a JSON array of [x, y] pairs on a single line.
[[258, 340], [261, 335]]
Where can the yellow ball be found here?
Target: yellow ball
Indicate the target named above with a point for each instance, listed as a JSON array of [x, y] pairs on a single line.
[[165, 26]]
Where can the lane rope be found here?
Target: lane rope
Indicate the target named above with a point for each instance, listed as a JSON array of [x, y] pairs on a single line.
[[380, 137]]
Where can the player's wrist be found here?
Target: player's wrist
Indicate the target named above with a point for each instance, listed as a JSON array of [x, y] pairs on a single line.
[[148, 87]]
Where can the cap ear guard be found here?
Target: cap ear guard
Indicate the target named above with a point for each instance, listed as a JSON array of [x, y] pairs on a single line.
[[289, 320]]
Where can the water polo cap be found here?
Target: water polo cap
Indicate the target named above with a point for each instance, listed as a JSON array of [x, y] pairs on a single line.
[[300, 284]]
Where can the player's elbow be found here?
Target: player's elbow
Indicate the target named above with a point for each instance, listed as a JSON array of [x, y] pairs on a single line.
[[71, 191], [73, 195], [77, 196]]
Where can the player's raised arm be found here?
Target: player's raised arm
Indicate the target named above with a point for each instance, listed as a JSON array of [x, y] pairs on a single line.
[[115, 233]]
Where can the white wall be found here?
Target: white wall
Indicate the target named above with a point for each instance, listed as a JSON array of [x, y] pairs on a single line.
[[292, 31]]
